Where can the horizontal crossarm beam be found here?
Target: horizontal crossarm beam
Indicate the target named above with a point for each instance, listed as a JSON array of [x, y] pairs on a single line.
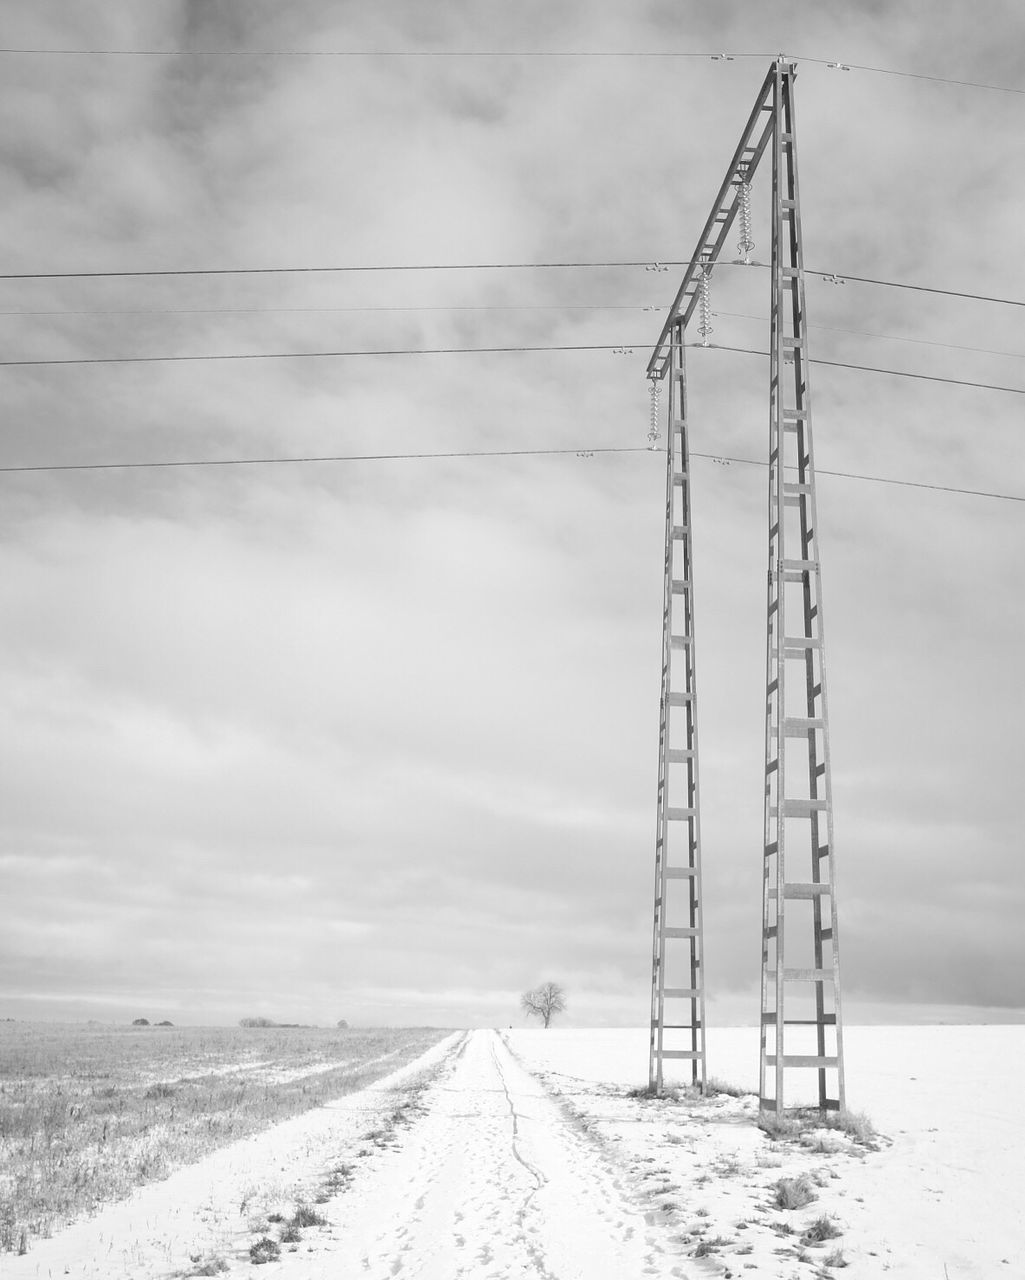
[[753, 142]]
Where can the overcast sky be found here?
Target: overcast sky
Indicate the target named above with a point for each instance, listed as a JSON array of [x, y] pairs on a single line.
[[377, 739]]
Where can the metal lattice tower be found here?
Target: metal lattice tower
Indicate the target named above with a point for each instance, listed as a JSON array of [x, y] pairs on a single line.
[[801, 1026], [800, 1014], [677, 978]]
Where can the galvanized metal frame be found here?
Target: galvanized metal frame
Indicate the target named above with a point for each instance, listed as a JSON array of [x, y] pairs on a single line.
[[677, 980], [798, 791]]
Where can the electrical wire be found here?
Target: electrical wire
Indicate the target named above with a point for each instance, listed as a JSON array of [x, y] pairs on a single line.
[[619, 349], [537, 306], [664, 55], [583, 452], [833, 277], [886, 337], [279, 271], [869, 368]]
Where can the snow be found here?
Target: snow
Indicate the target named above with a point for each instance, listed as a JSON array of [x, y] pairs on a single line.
[[521, 1154]]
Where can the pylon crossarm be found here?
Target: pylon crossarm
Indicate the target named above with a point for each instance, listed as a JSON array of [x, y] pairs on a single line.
[[728, 203]]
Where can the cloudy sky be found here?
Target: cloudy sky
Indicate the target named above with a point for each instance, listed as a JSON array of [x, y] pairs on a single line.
[[377, 739]]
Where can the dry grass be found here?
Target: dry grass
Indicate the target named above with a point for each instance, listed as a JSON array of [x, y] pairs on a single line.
[[802, 1121], [794, 1193], [88, 1113]]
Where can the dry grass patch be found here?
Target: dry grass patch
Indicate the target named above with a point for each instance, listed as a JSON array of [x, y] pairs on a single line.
[[794, 1193], [87, 1114]]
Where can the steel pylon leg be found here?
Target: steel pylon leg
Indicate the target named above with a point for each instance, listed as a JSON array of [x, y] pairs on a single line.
[[678, 973], [801, 1025]]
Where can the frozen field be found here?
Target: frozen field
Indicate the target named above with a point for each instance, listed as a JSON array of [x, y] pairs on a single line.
[[521, 1154]]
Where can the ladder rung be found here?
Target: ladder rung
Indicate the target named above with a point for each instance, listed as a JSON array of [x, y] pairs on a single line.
[[794, 415], [678, 815], [679, 642], [679, 477], [802, 642], [681, 993], [680, 873], [681, 530], [681, 932], [801, 889], [680, 585], [800, 1060], [798, 726], [807, 975], [681, 1053], [786, 203], [794, 486], [680, 699], [679, 755], [827, 1020], [800, 566], [801, 808]]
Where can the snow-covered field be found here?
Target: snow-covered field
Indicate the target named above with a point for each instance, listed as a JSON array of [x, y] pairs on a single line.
[[521, 1154]]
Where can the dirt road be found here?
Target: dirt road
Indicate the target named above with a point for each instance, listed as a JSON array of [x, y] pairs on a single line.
[[494, 1181]]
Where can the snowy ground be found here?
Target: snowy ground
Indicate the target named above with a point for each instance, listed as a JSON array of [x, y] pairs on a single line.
[[520, 1154]]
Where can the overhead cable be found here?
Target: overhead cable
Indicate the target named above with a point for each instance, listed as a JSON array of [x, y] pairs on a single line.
[[619, 349], [833, 277], [582, 452], [658, 54]]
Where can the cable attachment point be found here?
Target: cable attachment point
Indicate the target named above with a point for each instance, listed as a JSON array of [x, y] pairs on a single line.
[[655, 388], [704, 298], [745, 244]]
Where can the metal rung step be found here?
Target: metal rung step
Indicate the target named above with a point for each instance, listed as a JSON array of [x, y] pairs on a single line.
[[679, 477], [827, 1020], [769, 1104], [802, 808], [800, 566], [681, 993], [679, 815], [680, 699], [801, 889], [679, 642], [793, 488], [680, 585], [680, 873], [798, 726], [683, 932], [801, 1060], [807, 975], [791, 344], [681, 1053], [680, 755], [787, 203], [681, 530], [802, 642], [794, 415]]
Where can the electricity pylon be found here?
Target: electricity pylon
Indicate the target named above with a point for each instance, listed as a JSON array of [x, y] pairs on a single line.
[[801, 1025], [678, 971]]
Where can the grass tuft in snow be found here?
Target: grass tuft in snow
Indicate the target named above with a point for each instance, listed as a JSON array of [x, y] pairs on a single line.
[[715, 1085], [264, 1250], [822, 1229], [794, 1193], [835, 1259]]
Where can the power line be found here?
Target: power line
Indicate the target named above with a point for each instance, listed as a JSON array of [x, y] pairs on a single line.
[[583, 452], [231, 311], [348, 268], [870, 368], [586, 451], [517, 349], [832, 277], [535, 306], [659, 54], [854, 475], [886, 337], [311, 355]]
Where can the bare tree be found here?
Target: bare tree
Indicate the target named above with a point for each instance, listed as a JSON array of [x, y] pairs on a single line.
[[544, 1001]]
